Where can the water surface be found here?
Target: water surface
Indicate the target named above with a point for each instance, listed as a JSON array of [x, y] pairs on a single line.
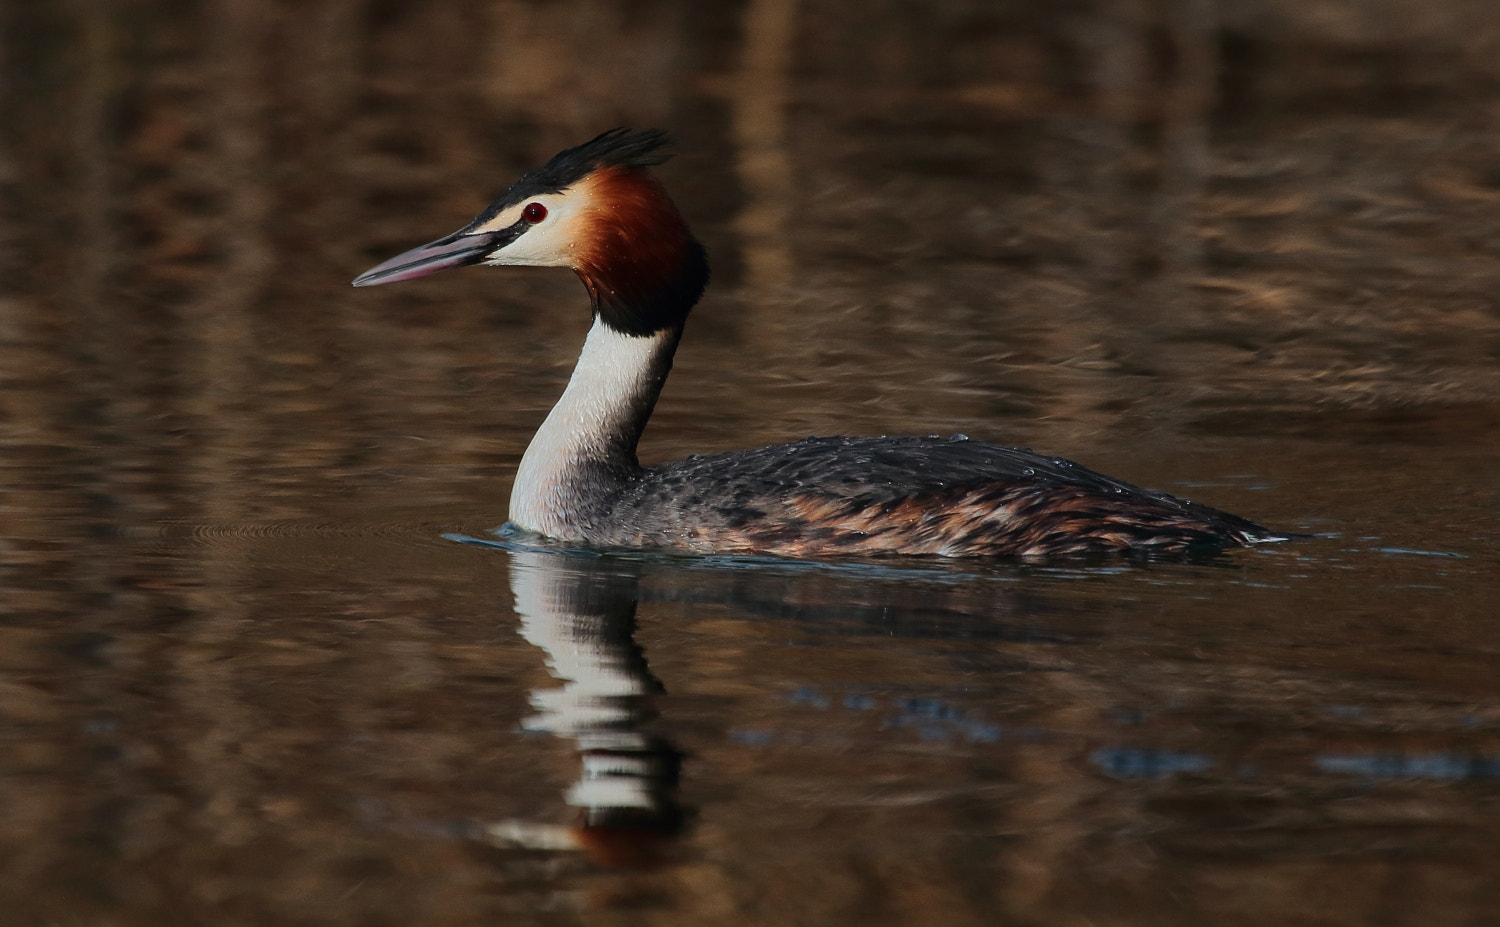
[[264, 661]]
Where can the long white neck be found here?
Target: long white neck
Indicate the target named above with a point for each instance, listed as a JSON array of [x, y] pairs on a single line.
[[586, 447]]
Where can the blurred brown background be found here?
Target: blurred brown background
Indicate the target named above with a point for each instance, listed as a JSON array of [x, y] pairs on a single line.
[[1249, 250], [1057, 220]]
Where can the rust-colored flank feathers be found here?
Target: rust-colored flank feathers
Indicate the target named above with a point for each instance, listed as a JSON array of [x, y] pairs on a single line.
[[927, 496], [597, 209]]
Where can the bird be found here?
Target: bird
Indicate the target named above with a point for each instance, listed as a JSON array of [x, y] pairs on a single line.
[[599, 210]]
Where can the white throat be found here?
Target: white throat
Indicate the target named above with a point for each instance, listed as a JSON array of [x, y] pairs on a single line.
[[596, 422]]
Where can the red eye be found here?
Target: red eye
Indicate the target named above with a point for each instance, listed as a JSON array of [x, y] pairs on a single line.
[[534, 213]]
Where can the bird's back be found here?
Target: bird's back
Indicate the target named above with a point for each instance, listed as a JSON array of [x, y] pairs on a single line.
[[931, 495]]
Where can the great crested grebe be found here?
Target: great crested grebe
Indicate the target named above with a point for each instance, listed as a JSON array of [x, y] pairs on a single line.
[[598, 210]]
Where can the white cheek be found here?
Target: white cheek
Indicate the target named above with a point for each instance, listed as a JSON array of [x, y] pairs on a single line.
[[549, 243], [539, 246]]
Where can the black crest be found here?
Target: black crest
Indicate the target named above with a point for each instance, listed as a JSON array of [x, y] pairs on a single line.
[[615, 148]]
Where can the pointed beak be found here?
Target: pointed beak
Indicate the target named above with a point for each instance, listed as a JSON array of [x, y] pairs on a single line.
[[455, 250]]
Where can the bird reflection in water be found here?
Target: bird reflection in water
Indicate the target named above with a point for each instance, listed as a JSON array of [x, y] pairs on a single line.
[[580, 610]]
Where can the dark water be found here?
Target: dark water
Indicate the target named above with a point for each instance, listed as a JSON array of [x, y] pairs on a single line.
[[254, 668]]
